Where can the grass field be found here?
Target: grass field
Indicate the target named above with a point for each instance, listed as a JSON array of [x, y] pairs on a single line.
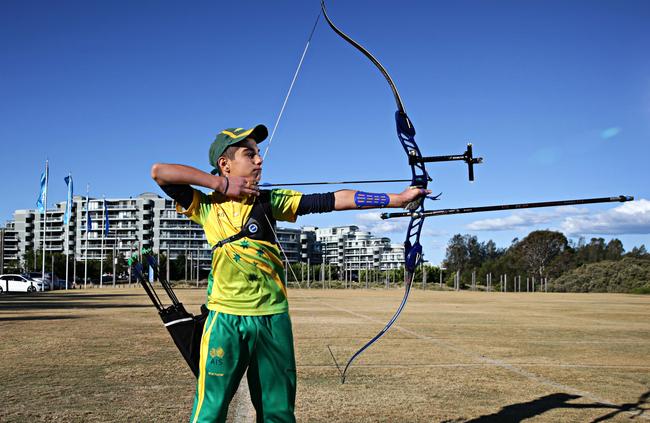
[[103, 355]]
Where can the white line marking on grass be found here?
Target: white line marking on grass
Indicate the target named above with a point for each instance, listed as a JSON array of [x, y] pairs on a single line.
[[491, 361], [243, 410], [460, 365]]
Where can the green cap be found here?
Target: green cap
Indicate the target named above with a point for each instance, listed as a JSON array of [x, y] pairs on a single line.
[[231, 136]]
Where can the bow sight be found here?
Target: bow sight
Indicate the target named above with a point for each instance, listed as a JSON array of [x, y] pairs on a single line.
[[467, 157]]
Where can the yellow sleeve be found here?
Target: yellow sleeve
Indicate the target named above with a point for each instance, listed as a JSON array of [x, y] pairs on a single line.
[[198, 209], [284, 203]]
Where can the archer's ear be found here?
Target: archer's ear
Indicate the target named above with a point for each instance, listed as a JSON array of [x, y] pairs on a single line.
[[224, 164]]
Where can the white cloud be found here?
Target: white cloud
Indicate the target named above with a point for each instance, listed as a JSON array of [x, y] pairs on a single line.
[[373, 223], [369, 216], [629, 218], [514, 221]]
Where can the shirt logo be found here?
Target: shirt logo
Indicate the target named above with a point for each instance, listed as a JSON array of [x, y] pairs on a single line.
[[253, 228]]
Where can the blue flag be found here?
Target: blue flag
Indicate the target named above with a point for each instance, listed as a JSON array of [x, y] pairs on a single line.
[[42, 196], [107, 225], [89, 223], [68, 201]]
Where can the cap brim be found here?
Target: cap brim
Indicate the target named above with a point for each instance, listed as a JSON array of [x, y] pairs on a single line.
[[259, 133]]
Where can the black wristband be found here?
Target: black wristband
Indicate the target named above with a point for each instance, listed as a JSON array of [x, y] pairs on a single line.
[[225, 190]]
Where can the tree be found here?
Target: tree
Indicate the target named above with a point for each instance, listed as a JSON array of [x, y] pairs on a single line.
[[465, 252], [638, 252], [456, 255], [614, 250], [490, 250], [592, 252], [29, 259], [538, 249], [177, 268]]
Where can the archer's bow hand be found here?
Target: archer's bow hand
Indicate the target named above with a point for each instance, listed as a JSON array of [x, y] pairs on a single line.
[[238, 186], [413, 197]]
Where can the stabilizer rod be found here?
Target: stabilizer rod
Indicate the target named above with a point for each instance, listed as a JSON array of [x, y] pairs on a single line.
[[444, 212]]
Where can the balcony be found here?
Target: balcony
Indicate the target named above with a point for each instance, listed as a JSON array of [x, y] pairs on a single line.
[[123, 207]]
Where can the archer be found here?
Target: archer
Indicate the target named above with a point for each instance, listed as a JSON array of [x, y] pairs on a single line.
[[248, 328]]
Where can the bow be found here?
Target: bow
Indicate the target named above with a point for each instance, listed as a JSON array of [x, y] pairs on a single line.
[[419, 179]]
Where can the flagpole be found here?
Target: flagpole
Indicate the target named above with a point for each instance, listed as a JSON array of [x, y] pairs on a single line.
[[67, 252], [45, 225], [68, 209], [86, 249], [74, 265], [101, 255]]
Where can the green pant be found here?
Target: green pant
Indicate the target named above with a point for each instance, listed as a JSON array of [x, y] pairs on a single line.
[[231, 344]]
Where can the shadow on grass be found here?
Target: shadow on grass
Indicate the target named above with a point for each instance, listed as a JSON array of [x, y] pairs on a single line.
[[27, 318], [63, 295], [525, 410], [62, 301]]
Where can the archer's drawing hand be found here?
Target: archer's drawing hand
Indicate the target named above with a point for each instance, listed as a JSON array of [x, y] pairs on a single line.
[[239, 186], [413, 196]]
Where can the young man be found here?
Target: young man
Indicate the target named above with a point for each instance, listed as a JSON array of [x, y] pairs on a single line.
[[248, 327]]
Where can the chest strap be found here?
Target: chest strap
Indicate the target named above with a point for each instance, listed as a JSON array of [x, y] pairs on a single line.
[[250, 228]]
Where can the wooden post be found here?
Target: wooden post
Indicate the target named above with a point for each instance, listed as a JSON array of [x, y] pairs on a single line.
[[2, 253], [367, 270], [424, 277], [533, 283]]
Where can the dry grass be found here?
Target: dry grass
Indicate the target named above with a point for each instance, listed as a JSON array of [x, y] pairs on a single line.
[[488, 357]]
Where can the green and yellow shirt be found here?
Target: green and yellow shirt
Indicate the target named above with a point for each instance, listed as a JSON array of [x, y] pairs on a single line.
[[247, 276]]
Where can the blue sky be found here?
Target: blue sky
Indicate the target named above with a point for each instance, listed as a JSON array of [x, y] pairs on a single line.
[[555, 95]]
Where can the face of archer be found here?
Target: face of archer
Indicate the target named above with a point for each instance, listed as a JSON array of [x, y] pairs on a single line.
[[245, 162]]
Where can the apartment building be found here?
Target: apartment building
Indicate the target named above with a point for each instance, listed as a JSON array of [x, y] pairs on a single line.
[[9, 247], [351, 249], [150, 220]]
